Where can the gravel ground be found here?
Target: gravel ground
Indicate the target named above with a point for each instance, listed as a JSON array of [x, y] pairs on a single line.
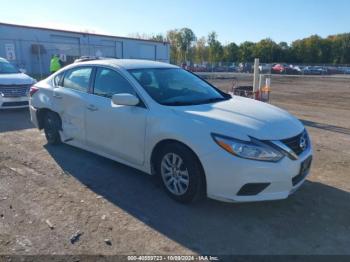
[[50, 194]]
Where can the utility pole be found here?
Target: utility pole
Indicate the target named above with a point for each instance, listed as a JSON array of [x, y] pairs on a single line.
[[256, 78]]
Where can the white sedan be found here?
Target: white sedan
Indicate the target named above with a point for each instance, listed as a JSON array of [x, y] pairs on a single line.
[[14, 86], [168, 122]]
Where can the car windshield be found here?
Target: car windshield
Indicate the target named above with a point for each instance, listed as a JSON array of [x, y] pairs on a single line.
[[176, 87], [7, 68]]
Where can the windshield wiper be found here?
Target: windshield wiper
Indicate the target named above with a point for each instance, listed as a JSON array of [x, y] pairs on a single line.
[[188, 103], [179, 103], [213, 100]]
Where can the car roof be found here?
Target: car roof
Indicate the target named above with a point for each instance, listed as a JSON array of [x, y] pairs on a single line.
[[3, 59], [128, 63]]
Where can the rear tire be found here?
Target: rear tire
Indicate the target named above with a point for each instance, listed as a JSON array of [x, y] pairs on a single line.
[[180, 172], [52, 123]]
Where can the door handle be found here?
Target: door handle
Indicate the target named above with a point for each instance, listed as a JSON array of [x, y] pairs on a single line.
[[92, 108]]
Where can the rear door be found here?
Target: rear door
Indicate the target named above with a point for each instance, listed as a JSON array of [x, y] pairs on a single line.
[[115, 129], [69, 101]]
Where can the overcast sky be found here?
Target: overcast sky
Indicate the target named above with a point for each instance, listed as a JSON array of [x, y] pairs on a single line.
[[233, 20]]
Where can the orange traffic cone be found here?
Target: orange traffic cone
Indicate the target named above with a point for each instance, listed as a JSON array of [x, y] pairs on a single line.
[[265, 93]]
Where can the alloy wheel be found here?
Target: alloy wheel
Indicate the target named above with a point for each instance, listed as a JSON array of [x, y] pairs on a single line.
[[175, 174]]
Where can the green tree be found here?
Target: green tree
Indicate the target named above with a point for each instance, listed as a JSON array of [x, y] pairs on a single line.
[[215, 48], [231, 53], [267, 50], [246, 50], [311, 50], [200, 51], [340, 48], [285, 53], [159, 37], [181, 42], [173, 38], [345, 45], [186, 38]]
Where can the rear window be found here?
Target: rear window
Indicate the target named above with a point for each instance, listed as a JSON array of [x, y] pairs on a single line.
[[78, 79], [57, 79]]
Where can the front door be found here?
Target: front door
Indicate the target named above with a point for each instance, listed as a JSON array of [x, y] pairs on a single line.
[[115, 129]]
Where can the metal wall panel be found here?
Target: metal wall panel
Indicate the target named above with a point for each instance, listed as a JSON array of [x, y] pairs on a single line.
[[34, 46]]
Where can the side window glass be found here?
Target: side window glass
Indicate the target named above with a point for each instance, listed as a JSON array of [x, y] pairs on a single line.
[[108, 82], [78, 79], [57, 79]]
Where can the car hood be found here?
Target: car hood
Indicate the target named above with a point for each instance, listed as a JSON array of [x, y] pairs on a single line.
[[242, 117], [16, 79]]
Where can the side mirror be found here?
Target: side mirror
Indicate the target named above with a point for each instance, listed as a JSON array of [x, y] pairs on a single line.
[[22, 70], [125, 99]]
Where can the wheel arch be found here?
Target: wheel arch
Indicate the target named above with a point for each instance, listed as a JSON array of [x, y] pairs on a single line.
[[41, 114], [161, 144]]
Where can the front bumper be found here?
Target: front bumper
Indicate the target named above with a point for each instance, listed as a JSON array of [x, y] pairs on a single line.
[[13, 102], [226, 175]]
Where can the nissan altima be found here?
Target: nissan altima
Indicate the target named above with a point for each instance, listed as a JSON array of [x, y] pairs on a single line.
[[168, 122]]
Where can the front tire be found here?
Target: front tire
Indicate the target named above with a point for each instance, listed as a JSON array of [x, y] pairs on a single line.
[[180, 172], [51, 128]]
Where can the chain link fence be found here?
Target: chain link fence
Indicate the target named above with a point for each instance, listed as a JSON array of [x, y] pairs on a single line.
[[268, 68]]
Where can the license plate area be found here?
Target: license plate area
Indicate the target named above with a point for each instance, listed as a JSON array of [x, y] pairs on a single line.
[[304, 170]]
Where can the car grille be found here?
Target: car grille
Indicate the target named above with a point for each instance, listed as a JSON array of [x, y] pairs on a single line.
[[294, 143], [10, 104], [14, 90]]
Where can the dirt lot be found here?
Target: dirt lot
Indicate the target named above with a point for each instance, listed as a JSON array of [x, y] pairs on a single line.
[[78, 191]]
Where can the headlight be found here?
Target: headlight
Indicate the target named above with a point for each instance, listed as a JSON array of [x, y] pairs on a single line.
[[253, 149]]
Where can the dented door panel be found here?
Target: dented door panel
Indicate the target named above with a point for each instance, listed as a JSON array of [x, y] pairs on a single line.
[[70, 105]]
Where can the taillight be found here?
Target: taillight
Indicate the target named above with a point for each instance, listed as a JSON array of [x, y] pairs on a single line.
[[33, 90]]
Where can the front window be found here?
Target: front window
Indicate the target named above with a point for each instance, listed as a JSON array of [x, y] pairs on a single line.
[[7, 68], [108, 82], [175, 86]]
